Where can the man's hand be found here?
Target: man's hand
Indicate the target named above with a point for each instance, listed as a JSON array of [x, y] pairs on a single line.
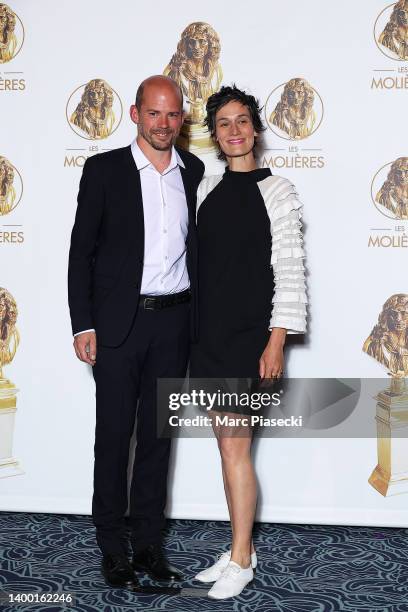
[[85, 347]]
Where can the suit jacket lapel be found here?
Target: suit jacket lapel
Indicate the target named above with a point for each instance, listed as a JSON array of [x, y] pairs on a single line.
[[134, 203], [188, 189], [133, 184]]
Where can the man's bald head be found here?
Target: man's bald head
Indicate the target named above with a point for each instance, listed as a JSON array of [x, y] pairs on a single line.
[[158, 81]]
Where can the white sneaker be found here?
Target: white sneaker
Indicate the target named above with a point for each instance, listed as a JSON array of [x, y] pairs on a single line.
[[231, 582], [211, 574]]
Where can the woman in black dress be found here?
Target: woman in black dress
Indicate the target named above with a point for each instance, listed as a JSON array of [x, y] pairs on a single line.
[[251, 293]]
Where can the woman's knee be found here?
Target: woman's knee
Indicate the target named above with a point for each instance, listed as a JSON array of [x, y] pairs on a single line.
[[233, 449]]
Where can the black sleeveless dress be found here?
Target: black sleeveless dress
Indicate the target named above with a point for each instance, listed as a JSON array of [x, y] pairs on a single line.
[[235, 280]]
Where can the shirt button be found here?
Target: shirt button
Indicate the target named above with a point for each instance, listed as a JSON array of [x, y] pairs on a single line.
[[166, 257], [164, 231]]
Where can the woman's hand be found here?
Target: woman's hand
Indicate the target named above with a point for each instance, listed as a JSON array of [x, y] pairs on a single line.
[[271, 361]]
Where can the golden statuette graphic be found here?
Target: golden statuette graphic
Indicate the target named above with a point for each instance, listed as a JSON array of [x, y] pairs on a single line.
[[388, 341], [9, 341], [393, 195], [8, 40], [395, 34], [388, 344], [195, 67], [7, 191], [94, 114], [9, 336], [294, 112]]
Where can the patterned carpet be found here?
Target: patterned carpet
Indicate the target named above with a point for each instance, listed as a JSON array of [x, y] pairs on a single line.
[[302, 568]]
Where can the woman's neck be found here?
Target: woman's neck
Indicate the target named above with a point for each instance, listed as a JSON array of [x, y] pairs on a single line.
[[243, 163]]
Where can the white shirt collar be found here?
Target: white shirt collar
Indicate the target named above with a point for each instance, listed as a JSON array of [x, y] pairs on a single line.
[[141, 160]]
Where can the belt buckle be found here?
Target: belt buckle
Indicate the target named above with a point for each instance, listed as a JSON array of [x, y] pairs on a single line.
[[145, 303]]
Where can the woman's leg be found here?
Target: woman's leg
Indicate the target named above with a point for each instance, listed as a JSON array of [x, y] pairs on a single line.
[[234, 443], [228, 498]]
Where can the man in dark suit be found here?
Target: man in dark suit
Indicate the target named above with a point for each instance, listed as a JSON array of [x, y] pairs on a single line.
[[132, 287]]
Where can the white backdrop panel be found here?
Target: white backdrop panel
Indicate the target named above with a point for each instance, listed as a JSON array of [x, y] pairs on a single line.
[[67, 43]]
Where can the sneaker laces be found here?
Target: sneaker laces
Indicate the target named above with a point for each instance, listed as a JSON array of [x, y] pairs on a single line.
[[222, 556], [231, 571]]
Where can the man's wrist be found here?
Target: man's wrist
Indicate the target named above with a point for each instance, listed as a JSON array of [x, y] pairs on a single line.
[[83, 332]]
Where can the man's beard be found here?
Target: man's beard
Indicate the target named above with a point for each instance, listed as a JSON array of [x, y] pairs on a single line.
[[159, 146]]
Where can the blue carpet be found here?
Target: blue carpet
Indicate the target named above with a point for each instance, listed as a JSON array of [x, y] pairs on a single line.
[[302, 568]]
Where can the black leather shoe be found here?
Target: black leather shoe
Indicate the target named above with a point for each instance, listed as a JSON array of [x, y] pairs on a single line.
[[118, 572], [152, 561]]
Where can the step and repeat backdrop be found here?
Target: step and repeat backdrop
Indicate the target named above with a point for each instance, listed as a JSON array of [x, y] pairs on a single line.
[[333, 86]]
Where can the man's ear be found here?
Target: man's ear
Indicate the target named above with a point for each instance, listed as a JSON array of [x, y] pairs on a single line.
[[134, 114]]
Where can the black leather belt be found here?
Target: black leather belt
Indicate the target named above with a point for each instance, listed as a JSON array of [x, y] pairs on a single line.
[[157, 302]]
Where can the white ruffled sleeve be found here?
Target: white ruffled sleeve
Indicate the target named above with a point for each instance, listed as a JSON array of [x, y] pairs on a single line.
[[285, 211]]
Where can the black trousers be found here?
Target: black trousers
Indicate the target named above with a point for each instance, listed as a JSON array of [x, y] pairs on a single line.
[[126, 382]]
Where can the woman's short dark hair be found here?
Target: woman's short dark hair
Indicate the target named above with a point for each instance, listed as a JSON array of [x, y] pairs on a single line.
[[233, 94]]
